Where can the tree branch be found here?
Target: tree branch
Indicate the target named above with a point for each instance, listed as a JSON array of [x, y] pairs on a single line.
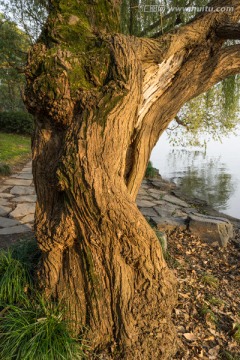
[[180, 122], [224, 64]]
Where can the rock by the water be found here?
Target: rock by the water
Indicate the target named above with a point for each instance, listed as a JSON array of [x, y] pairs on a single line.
[[213, 230]]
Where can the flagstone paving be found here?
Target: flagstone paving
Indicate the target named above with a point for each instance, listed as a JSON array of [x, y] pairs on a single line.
[[156, 200], [17, 203]]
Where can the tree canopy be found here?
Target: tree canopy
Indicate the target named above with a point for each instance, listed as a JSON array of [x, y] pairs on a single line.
[[214, 113], [14, 44]]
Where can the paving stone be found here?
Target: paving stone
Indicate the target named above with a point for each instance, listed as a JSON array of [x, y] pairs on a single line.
[[4, 188], [6, 195], [155, 196], [189, 210], [24, 198], [18, 182], [161, 202], [26, 170], [156, 182], [142, 192], [169, 223], [5, 210], [174, 200], [27, 219], [19, 229], [162, 184], [166, 209], [148, 212], [22, 190], [4, 202], [25, 176], [144, 203], [181, 214], [5, 222], [158, 192], [144, 186], [22, 210], [144, 197]]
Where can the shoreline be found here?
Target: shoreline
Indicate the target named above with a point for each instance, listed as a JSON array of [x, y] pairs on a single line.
[[167, 208]]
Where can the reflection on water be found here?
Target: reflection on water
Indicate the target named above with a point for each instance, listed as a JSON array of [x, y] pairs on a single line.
[[212, 175], [201, 177]]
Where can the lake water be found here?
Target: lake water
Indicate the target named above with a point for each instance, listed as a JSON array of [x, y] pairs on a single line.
[[212, 174]]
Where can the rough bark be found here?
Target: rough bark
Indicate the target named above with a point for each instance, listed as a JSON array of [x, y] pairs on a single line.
[[100, 102]]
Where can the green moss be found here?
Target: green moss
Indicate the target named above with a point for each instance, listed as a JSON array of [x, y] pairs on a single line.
[[92, 274]]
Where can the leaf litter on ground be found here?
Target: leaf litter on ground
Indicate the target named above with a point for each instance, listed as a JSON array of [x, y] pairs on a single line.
[[207, 316]]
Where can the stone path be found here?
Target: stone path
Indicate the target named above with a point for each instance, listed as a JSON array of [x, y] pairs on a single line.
[[17, 203], [156, 200]]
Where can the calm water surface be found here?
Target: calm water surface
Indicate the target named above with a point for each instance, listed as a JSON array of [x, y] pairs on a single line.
[[212, 174]]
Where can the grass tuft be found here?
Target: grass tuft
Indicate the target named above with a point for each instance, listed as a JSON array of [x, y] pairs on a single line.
[[5, 170], [226, 355], [210, 280], [31, 328], [215, 301], [36, 333], [208, 314], [14, 280], [27, 252], [237, 333]]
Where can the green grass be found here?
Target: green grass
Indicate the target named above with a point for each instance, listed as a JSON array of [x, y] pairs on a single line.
[[13, 149], [215, 301], [226, 355], [37, 332], [208, 313], [237, 333], [210, 280], [14, 280], [151, 172], [31, 327], [5, 170]]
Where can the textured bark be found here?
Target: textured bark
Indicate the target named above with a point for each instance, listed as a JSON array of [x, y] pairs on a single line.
[[100, 103]]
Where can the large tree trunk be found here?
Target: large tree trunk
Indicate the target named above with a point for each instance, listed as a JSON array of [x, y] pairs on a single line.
[[99, 254], [100, 103]]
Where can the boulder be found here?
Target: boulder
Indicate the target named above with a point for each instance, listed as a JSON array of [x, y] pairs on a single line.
[[210, 229]]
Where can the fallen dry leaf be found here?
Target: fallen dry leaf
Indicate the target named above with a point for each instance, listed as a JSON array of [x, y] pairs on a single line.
[[190, 336]]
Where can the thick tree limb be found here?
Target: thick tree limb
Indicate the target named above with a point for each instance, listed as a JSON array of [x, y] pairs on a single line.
[[224, 64]]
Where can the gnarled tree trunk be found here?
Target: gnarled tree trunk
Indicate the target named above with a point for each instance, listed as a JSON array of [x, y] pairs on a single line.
[[101, 101]]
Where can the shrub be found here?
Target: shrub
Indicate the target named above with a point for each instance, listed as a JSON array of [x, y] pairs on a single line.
[[16, 122], [151, 172]]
